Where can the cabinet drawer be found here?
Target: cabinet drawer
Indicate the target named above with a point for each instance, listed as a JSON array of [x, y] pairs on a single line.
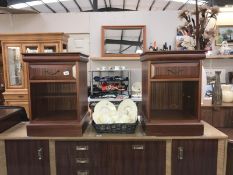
[[51, 72], [15, 96], [174, 70]]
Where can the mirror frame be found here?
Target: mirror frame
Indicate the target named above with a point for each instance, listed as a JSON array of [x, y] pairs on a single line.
[[103, 54]]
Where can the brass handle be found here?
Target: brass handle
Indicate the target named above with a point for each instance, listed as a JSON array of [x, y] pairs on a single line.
[[40, 153], [176, 72], [180, 153], [83, 172], [82, 160], [52, 73], [138, 147], [82, 148]]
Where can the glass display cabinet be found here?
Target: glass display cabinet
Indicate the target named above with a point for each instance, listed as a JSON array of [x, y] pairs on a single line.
[[16, 89], [58, 93], [171, 92]]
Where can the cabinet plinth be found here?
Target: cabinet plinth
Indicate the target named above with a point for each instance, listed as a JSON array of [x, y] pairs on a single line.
[[57, 93], [171, 92]]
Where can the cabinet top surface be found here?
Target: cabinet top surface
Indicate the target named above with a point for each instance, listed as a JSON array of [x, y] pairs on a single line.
[[55, 57], [4, 113], [19, 132], [173, 55], [32, 36]]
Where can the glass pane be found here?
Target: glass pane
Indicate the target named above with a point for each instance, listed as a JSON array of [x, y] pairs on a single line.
[[31, 49], [14, 66], [49, 49]]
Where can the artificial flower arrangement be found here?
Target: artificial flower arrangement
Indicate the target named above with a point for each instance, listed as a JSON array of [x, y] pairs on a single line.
[[207, 28]]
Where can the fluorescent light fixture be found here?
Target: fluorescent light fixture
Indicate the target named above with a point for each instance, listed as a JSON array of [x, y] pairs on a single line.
[[34, 3], [19, 6], [190, 1], [49, 1]]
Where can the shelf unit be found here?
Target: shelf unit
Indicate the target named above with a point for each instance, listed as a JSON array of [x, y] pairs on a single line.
[[15, 74], [119, 78], [171, 92], [57, 93]]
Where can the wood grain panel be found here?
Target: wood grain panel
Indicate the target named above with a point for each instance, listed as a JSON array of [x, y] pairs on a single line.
[[23, 157], [223, 117], [115, 158], [51, 72], [175, 70], [207, 114], [198, 157], [229, 170]]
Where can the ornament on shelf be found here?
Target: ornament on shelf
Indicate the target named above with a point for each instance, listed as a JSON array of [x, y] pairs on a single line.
[[217, 92]]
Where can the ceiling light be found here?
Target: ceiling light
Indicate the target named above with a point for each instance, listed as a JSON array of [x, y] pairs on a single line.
[[33, 3], [49, 1], [19, 6]]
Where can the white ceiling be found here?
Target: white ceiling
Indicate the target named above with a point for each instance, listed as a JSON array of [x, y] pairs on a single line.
[[63, 6]]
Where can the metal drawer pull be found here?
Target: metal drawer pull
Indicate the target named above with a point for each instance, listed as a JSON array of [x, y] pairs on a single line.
[[81, 148], [84, 172], [52, 73], [176, 72], [180, 153], [40, 153], [138, 147], [82, 160], [20, 96]]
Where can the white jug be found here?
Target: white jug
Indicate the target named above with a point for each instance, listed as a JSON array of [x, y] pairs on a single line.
[[227, 93]]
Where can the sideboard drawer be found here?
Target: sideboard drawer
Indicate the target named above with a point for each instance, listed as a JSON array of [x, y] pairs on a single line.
[[51, 72], [16, 96], [174, 70]]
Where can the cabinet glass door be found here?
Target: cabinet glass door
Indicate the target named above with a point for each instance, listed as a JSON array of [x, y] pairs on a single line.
[[31, 48], [49, 47], [14, 66]]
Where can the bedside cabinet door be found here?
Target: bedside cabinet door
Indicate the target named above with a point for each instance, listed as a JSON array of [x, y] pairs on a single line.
[[194, 157], [130, 158], [27, 157]]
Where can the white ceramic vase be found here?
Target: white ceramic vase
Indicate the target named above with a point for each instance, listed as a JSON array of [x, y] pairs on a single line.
[[227, 93]]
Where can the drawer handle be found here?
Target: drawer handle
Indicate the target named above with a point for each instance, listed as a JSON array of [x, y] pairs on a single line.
[[52, 73], [20, 96], [138, 147], [84, 172], [81, 148], [180, 153], [176, 72], [82, 160], [40, 153]]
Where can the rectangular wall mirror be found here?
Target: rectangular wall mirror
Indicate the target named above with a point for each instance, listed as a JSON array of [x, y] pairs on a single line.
[[123, 41]]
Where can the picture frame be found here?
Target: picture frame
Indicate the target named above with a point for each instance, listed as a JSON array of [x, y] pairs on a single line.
[[224, 33]]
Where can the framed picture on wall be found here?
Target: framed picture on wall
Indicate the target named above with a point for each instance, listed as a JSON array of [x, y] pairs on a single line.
[[224, 33]]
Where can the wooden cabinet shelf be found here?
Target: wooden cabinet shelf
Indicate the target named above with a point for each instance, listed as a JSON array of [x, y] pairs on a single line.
[[53, 81]]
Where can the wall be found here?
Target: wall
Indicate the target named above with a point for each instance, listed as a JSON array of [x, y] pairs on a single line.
[[224, 18], [161, 26]]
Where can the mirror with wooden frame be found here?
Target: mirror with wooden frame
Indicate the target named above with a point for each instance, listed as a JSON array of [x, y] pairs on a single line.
[[123, 41]]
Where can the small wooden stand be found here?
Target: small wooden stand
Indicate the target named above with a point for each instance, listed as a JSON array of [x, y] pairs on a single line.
[[171, 92], [57, 93]]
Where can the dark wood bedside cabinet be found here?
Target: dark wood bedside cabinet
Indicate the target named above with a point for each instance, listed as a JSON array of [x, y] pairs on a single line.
[[171, 92], [57, 93]]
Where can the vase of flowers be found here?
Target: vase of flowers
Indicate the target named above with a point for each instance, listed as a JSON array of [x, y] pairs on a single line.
[[207, 25]]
